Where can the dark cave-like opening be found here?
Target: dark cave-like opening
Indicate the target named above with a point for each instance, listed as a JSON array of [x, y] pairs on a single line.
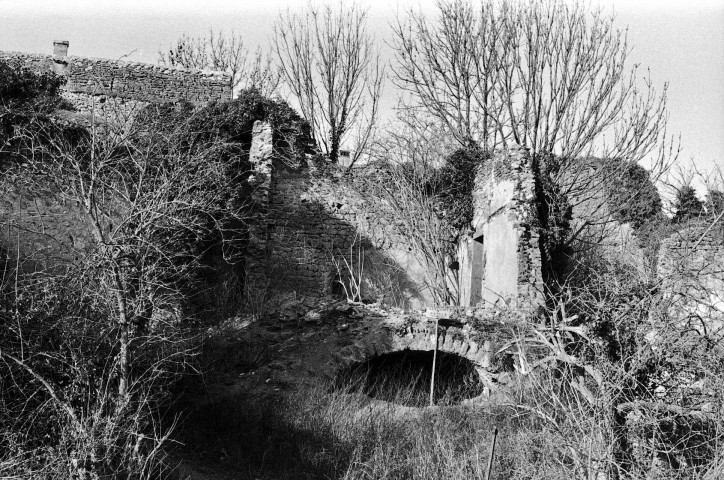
[[403, 377]]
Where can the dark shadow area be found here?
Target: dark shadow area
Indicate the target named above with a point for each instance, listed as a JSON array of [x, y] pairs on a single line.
[[404, 377], [253, 440]]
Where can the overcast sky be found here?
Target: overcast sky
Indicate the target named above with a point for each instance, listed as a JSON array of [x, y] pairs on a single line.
[[682, 42]]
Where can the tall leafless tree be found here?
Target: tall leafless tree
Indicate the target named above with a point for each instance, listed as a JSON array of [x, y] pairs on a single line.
[[544, 74], [547, 75], [332, 68], [225, 53]]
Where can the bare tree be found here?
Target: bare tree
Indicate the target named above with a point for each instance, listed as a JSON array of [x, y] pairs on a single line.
[[412, 152], [547, 75], [330, 64], [152, 203], [225, 53], [543, 74]]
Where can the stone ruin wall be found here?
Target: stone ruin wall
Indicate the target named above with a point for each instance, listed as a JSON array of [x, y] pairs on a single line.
[[319, 213], [305, 217], [691, 273], [46, 228], [314, 214], [500, 262], [117, 89], [40, 228]]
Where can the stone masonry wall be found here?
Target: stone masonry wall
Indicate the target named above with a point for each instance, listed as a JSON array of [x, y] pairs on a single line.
[[43, 227], [691, 273], [91, 82], [318, 214], [501, 262]]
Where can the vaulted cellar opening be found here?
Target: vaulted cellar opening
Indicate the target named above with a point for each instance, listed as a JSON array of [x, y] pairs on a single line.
[[404, 377]]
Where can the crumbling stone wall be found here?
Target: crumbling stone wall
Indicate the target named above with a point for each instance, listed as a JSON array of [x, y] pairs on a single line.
[[45, 228], [317, 214], [41, 227], [691, 273], [500, 262], [120, 88]]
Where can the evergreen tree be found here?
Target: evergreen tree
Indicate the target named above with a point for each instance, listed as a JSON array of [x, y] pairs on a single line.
[[687, 204], [714, 203]]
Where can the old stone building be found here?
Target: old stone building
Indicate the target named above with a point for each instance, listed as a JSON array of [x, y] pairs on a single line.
[[313, 220], [40, 224], [117, 89]]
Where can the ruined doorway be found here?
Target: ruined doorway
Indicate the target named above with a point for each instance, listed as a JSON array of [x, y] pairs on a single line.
[[477, 270]]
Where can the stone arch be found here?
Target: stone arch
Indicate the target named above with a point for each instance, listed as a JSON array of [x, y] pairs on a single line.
[[419, 336]]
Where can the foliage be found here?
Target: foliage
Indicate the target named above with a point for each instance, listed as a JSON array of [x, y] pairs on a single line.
[[156, 198], [687, 205], [26, 91], [407, 190], [320, 432], [225, 53], [548, 75], [453, 185], [25, 97], [714, 203], [554, 216], [632, 196], [60, 416]]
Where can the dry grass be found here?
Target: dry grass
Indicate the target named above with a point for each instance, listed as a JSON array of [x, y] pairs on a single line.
[[323, 432]]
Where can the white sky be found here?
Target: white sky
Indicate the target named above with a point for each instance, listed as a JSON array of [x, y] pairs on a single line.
[[241, 6], [681, 41]]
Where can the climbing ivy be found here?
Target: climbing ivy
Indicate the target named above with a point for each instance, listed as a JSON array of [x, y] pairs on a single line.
[[554, 215], [453, 185], [632, 196], [26, 99]]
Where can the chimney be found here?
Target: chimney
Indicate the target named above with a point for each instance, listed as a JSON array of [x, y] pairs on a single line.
[[60, 49], [60, 54]]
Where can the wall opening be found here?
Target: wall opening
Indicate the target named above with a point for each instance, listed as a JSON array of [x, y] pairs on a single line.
[[477, 270], [403, 377]]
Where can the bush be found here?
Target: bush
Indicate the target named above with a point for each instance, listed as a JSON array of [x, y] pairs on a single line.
[[60, 415], [27, 99]]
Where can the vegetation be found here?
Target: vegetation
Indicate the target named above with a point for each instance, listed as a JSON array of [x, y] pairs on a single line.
[[618, 375], [332, 69], [26, 98], [453, 185], [225, 53], [687, 205], [92, 347]]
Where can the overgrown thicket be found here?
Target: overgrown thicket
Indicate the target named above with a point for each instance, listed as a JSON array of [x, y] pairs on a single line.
[[92, 345], [620, 376], [26, 99], [622, 381]]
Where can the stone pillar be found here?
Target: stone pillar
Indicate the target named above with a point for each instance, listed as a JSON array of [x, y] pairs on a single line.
[[530, 281], [60, 48], [500, 262], [60, 57]]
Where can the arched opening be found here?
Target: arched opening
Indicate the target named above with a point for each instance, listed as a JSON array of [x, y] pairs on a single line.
[[404, 377]]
